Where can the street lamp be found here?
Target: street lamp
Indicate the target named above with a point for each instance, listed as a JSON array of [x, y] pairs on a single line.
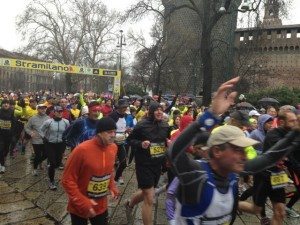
[[54, 82], [121, 43], [194, 75]]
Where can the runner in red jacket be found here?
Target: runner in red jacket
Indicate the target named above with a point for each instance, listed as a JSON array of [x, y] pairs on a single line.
[[89, 176]]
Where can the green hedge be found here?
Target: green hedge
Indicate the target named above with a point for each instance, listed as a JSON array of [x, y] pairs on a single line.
[[285, 95]]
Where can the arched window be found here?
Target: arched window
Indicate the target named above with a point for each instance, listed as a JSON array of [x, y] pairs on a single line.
[[270, 49], [292, 48], [280, 48]]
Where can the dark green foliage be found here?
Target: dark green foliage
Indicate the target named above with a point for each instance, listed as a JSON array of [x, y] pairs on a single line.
[[285, 95], [132, 89]]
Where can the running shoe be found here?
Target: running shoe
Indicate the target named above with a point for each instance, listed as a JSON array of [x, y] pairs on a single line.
[[290, 212], [121, 181], [52, 186], [160, 190], [128, 211], [265, 221], [2, 169], [34, 173], [61, 166]]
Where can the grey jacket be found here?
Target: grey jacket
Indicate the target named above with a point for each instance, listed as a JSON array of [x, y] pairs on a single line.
[[33, 128], [53, 130]]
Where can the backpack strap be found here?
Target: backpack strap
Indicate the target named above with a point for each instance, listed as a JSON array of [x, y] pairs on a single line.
[[205, 196]]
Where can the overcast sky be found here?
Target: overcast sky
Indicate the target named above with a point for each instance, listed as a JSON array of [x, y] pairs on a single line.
[[9, 39]]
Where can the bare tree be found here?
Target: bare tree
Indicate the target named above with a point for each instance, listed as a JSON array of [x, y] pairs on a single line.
[[153, 61], [209, 16], [68, 31]]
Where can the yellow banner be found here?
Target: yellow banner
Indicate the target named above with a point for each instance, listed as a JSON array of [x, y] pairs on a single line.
[[61, 68], [56, 67]]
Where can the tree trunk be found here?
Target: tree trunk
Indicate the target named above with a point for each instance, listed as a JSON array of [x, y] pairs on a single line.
[[207, 75], [206, 54], [69, 84], [157, 83]]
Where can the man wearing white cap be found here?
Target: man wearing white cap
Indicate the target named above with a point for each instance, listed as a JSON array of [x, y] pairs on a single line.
[[254, 114], [208, 191]]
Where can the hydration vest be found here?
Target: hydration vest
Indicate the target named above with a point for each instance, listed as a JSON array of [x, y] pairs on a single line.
[[214, 207]]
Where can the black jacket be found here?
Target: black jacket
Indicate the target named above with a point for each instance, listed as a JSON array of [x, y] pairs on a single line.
[[7, 122], [153, 131]]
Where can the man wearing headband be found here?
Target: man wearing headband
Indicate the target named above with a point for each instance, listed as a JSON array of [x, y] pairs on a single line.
[[83, 129]]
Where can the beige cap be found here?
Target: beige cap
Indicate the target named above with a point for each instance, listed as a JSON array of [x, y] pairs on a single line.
[[230, 134]]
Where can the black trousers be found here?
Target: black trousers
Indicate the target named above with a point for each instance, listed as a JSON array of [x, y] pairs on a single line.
[[122, 156], [100, 219], [4, 148], [39, 154], [54, 152]]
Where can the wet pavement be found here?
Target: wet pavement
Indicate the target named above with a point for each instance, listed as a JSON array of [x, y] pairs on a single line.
[[25, 199]]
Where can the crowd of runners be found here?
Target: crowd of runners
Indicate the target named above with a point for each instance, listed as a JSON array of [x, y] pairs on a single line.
[[215, 158]]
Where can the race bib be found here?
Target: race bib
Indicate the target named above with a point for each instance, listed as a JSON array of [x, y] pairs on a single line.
[[5, 124], [157, 149], [279, 180], [98, 186]]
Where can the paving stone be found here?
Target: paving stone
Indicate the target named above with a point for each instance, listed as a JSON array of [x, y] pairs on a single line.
[[26, 182], [66, 220], [11, 197], [22, 215], [15, 206], [6, 190], [48, 198], [17, 184], [238, 221], [57, 210], [37, 221], [40, 186], [32, 195], [18, 170], [11, 181], [63, 199], [3, 184]]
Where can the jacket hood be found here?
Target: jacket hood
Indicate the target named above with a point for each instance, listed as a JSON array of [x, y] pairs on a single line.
[[185, 121], [262, 120]]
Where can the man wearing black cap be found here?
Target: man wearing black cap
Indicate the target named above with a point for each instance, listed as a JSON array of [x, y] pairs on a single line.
[[89, 176], [7, 123], [239, 119], [149, 137]]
